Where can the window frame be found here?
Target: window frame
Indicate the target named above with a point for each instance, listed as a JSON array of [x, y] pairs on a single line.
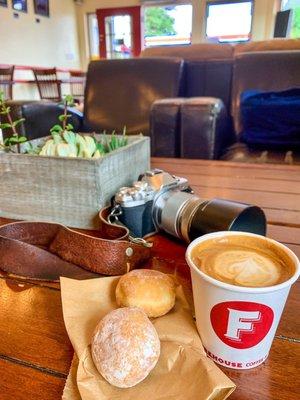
[[165, 4], [216, 2], [90, 55]]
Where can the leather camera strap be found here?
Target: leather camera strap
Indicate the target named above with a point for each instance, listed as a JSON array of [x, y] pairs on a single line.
[[46, 251]]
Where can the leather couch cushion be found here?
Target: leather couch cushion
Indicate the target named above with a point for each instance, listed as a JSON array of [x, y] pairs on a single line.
[[204, 128], [164, 127], [267, 45], [207, 68], [120, 92], [195, 52], [209, 78], [215, 51], [267, 71]]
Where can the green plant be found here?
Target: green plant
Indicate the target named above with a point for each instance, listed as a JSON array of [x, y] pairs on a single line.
[[32, 150], [59, 129], [106, 144], [158, 22], [15, 138], [66, 143]]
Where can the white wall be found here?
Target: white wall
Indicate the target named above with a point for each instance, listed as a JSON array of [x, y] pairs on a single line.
[[52, 42], [264, 18]]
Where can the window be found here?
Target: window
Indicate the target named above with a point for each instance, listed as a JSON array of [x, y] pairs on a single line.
[[93, 35], [293, 5], [167, 25], [229, 21], [118, 36]]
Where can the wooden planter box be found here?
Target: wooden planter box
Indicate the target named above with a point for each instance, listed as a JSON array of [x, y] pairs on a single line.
[[70, 191]]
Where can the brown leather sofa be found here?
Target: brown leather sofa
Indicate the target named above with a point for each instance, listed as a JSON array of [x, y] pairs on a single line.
[[181, 88], [250, 67], [181, 128]]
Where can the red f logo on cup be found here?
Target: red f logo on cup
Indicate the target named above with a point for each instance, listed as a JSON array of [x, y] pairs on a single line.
[[239, 321], [241, 324]]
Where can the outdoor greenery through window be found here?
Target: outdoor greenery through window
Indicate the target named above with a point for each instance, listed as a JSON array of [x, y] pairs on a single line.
[[293, 5], [168, 25], [229, 21]]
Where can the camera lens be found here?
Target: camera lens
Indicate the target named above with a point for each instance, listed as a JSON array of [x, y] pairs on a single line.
[[187, 216], [223, 215], [168, 209]]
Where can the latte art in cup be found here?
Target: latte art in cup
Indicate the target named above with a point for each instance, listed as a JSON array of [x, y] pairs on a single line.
[[242, 262], [240, 285]]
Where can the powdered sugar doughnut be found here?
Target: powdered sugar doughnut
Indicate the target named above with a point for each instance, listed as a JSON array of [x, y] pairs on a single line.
[[125, 347], [152, 291]]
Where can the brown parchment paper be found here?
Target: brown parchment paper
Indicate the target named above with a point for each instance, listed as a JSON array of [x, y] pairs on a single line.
[[183, 371]]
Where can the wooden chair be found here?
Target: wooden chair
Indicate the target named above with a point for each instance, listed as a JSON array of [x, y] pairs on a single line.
[[48, 84], [6, 81], [77, 85]]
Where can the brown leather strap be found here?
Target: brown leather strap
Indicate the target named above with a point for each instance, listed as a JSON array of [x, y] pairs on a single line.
[[46, 251]]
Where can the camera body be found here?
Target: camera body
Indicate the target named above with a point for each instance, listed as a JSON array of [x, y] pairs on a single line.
[[137, 202], [161, 201]]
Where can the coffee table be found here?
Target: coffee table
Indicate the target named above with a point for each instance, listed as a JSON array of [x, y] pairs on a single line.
[[35, 352]]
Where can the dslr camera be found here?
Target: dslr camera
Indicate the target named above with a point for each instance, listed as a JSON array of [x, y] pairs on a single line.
[[161, 201]]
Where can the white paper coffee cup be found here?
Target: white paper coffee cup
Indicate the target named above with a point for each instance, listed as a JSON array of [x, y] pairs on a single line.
[[237, 324]]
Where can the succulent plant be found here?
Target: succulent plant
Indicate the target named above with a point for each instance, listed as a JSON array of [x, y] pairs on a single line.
[[66, 143]]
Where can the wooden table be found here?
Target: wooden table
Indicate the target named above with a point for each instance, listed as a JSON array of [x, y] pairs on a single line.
[[35, 352]]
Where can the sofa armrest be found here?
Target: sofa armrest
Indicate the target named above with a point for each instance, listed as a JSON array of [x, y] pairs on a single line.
[[197, 127], [205, 128], [40, 116], [164, 127]]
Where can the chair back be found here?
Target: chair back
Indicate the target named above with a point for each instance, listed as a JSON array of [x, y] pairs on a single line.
[[6, 81], [77, 84], [48, 85], [121, 92]]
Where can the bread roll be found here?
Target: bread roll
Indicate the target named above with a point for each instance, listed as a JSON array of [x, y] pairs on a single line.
[[125, 347], [152, 291]]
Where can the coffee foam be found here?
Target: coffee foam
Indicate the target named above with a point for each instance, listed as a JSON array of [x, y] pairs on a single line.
[[243, 261]]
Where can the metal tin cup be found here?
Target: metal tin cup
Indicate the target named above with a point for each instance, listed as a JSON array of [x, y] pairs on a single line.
[[237, 324]]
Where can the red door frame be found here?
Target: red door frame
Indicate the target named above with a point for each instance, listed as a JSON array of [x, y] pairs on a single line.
[[135, 13]]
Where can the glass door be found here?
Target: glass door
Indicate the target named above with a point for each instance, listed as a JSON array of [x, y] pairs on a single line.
[[119, 32]]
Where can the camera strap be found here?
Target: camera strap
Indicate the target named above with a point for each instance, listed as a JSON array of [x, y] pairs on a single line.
[[113, 218], [45, 251]]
